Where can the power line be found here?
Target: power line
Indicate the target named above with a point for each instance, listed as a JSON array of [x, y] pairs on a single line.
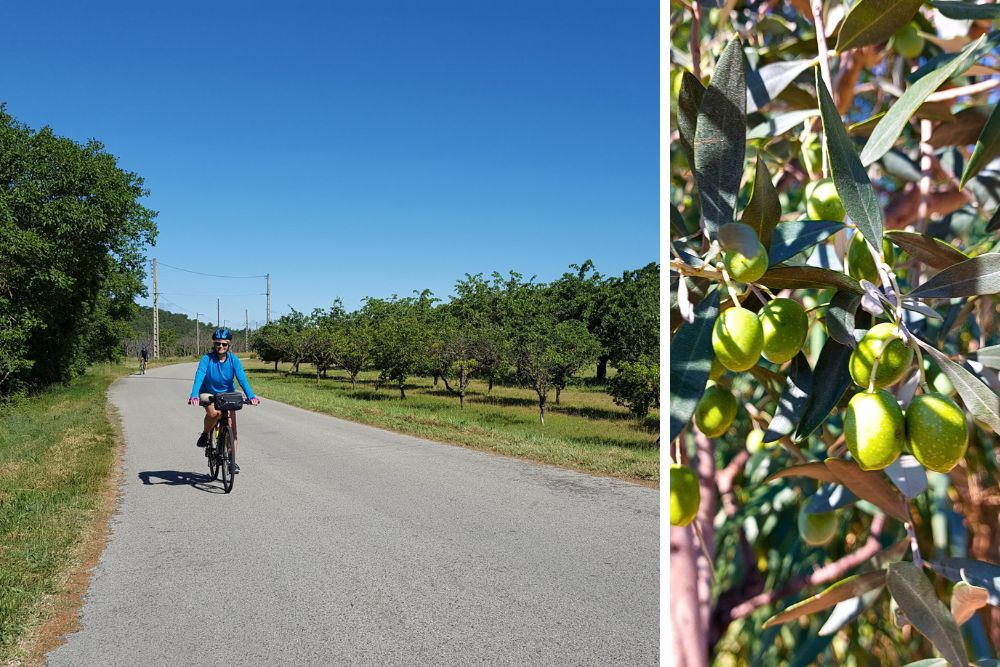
[[212, 295], [210, 275]]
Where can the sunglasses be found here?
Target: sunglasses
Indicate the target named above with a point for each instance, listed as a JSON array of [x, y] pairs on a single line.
[[222, 345]]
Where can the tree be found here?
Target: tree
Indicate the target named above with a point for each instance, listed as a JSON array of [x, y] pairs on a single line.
[[626, 317], [636, 386], [319, 348], [72, 239], [573, 347], [783, 163], [353, 343], [266, 342], [400, 336]]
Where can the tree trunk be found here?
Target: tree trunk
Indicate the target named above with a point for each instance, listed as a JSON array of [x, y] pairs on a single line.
[[317, 376], [354, 381], [541, 407], [402, 393], [558, 391], [436, 380], [276, 367], [690, 571], [461, 388], [602, 369], [489, 389]]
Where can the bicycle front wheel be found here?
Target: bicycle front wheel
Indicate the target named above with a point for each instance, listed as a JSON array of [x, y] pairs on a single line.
[[227, 459], [213, 459]]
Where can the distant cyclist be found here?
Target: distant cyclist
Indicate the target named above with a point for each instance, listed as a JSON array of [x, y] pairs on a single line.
[[143, 359], [215, 375]]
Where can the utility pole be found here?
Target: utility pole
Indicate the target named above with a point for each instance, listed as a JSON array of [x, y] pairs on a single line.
[[246, 331], [156, 315], [269, 298], [197, 334], [218, 317]]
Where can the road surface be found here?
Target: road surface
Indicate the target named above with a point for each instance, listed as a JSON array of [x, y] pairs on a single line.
[[343, 544]]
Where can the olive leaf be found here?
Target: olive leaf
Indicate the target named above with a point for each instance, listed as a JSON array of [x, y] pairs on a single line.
[[842, 590], [764, 209], [908, 476], [793, 399], [849, 175], [828, 498], [791, 238], [929, 250], [966, 599], [814, 470], [979, 275], [900, 113], [782, 122], [874, 21], [688, 103], [720, 139], [963, 11], [691, 361], [918, 599], [804, 277], [848, 610], [832, 367], [976, 572], [840, 317], [989, 356], [987, 146], [765, 84], [871, 485]]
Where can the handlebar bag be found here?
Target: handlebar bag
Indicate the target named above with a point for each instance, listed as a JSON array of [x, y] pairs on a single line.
[[229, 401]]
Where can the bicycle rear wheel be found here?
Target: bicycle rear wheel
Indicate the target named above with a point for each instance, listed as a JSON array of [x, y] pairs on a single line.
[[227, 459]]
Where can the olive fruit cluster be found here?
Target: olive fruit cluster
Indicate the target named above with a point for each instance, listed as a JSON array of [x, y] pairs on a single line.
[[739, 339], [875, 427]]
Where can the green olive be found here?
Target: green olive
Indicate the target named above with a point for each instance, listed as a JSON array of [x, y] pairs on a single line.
[[874, 429], [737, 339]]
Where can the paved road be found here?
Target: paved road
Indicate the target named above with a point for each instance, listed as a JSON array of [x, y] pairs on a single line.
[[343, 544]]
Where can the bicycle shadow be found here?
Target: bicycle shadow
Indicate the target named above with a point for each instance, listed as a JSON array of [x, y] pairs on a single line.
[[200, 481]]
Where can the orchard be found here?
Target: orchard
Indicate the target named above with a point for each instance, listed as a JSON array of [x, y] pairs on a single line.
[[834, 280]]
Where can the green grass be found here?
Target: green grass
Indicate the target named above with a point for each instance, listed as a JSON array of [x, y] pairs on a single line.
[[587, 431], [57, 451]]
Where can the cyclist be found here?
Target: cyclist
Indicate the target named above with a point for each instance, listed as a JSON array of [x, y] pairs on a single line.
[[143, 359], [215, 374]]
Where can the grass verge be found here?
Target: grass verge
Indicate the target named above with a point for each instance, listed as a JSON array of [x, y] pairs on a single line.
[[58, 453], [586, 431]]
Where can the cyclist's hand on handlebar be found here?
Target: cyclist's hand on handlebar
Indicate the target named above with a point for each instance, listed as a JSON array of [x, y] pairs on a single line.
[[254, 401], [192, 401]]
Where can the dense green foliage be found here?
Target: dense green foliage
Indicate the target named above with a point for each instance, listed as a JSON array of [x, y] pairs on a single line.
[[503, 329], [851, 148], [72, 235]]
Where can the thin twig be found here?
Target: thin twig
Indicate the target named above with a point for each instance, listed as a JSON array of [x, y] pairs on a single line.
[[971, 89], [824, 65], [834, 570], [696, 39]]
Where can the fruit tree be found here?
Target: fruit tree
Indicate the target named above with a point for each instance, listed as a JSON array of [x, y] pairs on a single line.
[[834, 272]]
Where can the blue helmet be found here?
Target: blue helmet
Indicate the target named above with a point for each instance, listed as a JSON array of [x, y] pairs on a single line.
[[222, 333]]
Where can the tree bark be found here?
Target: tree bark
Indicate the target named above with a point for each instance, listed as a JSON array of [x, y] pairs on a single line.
[[558, 391], [402, 392], [354, 381]]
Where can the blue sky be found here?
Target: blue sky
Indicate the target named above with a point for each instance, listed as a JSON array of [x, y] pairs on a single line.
[[358, 148]]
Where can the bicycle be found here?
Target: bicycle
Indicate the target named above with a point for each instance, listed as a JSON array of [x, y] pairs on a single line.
[[220, 451]]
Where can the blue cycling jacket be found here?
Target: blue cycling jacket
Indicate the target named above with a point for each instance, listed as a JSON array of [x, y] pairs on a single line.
[[216, 377]]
